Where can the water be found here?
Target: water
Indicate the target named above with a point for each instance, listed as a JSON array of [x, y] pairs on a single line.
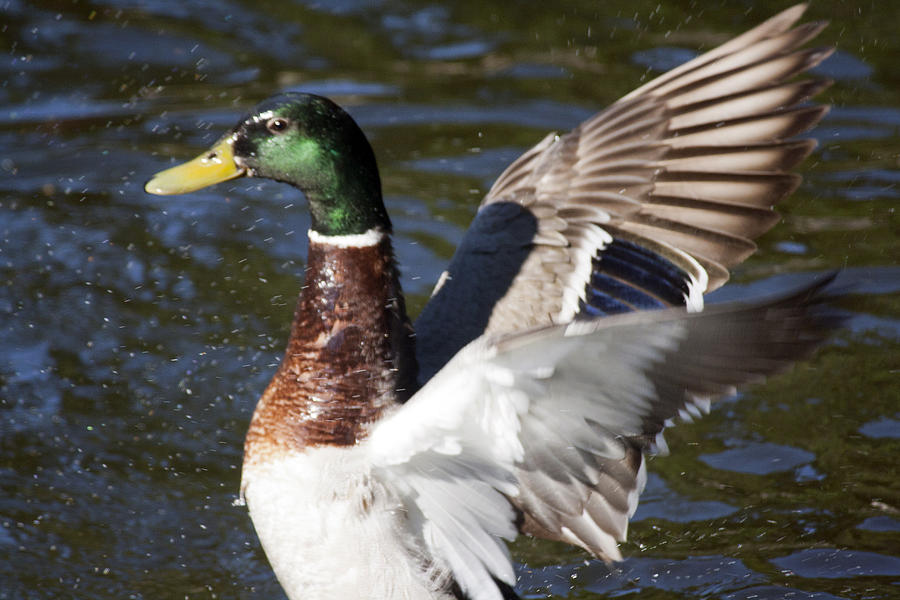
[[137, 331]]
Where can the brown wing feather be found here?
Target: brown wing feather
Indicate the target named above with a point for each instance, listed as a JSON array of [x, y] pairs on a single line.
[[694, 159]]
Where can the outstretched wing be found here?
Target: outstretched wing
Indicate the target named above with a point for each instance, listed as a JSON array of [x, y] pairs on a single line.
[[645, 205], [551, 423]]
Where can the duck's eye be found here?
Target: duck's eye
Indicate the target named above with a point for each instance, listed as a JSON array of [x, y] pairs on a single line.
[[276, 125]]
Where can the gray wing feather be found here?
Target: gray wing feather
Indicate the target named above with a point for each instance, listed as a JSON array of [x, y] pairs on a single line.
[[554, 422], [615, 386]]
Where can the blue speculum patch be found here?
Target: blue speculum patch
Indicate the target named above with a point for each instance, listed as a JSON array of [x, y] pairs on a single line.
[[627, 277]]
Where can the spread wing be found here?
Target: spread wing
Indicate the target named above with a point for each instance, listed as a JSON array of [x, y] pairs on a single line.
[[551, 423], [645, 205]]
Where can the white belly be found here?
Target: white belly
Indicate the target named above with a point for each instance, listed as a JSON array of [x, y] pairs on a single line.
[[332, 531]]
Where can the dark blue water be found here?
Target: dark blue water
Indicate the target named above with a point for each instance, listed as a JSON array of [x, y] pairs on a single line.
[[137, 331]]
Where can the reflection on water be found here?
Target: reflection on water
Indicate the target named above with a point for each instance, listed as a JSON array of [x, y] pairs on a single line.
[[760, 459], [137, 331]]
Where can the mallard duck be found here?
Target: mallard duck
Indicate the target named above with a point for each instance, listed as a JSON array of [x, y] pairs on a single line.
[[388, 461]]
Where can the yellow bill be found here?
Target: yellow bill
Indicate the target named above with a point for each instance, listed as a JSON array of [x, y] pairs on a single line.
[[213, 166]]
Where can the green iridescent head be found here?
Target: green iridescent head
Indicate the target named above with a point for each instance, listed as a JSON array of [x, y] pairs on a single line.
[[301, 139]]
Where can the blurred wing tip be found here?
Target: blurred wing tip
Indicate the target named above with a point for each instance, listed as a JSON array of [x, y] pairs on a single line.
[[791, 14], [819, 290]]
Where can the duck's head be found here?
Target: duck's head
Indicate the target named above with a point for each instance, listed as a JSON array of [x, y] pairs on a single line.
[[305, 140]]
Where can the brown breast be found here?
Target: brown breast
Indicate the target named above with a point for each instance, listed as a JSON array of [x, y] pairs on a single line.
[[350, 354]]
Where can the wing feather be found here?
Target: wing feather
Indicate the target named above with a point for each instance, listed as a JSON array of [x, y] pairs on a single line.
[[687, 167], [545, 429]]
